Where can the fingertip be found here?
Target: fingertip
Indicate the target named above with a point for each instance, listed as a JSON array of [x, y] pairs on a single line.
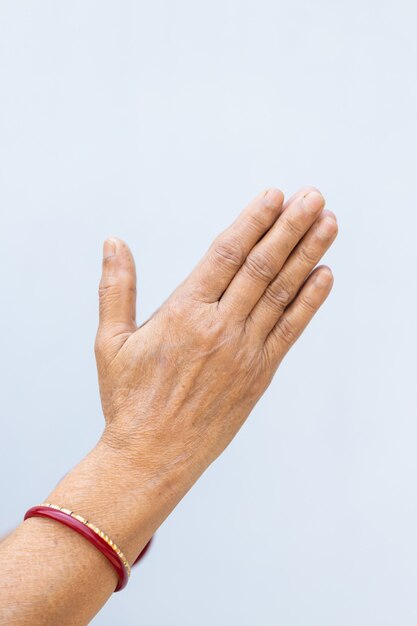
[[329, 215], [115, 247], [313, 201], [327, 227], [109, 247], [309, 189], [117, 289], [323, 277], [299, 194], [118, 262], [273, 197]]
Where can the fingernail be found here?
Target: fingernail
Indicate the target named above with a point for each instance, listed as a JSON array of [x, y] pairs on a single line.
[[327, 227], [313, 201], [274, 197], [109, 248], [330, 214], [323, 278]]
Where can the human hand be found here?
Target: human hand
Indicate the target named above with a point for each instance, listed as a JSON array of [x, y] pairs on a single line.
[[176, 390]]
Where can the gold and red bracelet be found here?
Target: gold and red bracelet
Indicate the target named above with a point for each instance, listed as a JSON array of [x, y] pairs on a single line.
[[94, 535]]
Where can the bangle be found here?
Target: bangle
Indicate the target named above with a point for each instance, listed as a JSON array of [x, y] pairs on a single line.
[[97, 537]]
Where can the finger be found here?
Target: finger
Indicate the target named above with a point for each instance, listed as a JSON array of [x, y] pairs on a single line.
[[228, 252], [298, 315], [267, 258], [298, 194], [283, 289], [117, 290]]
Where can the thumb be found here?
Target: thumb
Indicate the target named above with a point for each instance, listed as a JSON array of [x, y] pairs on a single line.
[[117, 290]]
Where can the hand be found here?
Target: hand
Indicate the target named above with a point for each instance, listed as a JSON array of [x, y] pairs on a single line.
[[176, 390]]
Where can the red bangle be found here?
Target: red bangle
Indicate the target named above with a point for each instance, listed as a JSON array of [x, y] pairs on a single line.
[[94, 535]]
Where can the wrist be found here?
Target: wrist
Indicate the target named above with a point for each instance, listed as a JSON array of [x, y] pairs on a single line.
[[100, 489], [122, 494], [154, 463]]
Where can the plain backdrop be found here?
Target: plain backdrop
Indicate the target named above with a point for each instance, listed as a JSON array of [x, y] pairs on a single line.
[[157, 122]]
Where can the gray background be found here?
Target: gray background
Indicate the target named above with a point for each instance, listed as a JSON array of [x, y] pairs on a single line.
[[157, 122]]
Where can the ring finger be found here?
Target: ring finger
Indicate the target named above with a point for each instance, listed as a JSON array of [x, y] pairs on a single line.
[[283, 289]]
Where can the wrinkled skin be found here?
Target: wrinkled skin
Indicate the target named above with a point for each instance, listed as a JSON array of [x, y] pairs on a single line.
[[177, 389], [174, 392]]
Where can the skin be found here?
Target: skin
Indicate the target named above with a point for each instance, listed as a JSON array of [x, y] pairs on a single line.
[[174, 391]]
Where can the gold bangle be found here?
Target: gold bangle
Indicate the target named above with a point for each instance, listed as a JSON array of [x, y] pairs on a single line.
[[94, 528], [96, 536]]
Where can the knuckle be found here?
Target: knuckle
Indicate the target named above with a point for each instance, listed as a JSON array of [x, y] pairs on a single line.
[[308, 304], [212, 334], [307, 256], [291, 227], [229, 252], [277, 296], [112, 288], [287, 331], [257, 221], [260, 266], [199, 329], [107, 286], [108, 297], [176, 308]]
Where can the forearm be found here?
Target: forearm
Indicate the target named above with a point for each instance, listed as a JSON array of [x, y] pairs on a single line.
[[174, 391], [52, 575]]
